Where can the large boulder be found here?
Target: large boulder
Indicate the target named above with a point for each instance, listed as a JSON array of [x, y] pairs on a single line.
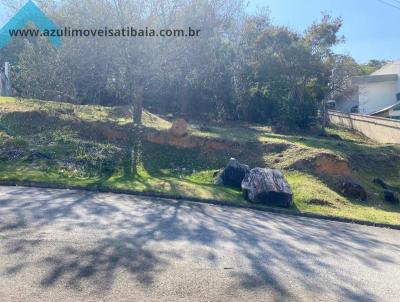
[[267, 186], [180, 128], [354, 190], [233, 174]]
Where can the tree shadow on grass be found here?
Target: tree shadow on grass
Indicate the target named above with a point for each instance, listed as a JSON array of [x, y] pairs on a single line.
[[78, 238]]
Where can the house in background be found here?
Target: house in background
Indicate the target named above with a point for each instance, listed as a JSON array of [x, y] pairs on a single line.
[[348, 100], [379, 93]]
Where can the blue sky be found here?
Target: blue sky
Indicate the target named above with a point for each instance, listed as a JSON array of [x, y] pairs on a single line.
[[371, 28]]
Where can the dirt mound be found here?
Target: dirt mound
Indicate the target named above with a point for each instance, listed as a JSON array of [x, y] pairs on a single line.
[[325, 164]]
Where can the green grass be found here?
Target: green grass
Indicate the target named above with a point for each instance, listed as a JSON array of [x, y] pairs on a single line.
[[307, 188], [73, 145]]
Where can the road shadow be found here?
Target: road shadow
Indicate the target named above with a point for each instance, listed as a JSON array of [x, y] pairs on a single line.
[[142, 237]]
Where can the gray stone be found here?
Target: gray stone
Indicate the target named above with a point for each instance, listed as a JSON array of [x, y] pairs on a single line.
[[233, 174], [267, 186]]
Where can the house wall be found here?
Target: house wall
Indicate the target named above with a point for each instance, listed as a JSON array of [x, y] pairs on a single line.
[[375, 96], [346, 105], [394, 114]]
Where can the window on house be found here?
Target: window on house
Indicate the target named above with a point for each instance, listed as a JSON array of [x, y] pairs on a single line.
[[398, 97]]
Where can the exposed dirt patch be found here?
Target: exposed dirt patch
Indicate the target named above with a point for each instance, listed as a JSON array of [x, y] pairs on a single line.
[[166, 138], [324, 164], [188, 141], [106, 133], [332, 165]]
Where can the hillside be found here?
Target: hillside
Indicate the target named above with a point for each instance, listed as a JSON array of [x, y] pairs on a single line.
[[49, 142]]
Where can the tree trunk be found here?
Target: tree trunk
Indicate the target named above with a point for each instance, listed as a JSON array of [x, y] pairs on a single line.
[[133, 156], [138, 105], [324, 116]]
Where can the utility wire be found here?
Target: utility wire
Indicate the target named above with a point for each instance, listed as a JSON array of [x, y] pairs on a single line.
[[390, 4]]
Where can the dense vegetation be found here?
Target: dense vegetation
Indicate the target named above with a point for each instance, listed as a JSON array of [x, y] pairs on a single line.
[[242, 66]]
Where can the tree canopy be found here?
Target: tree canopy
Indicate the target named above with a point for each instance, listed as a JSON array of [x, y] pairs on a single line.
[[241, 66]]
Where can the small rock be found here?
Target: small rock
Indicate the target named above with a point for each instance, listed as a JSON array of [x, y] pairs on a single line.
[[354, 190], [233, 174], [380, 182], [390, 196]]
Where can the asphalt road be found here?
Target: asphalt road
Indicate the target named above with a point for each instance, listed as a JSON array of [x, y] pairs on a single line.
[[79, 246]]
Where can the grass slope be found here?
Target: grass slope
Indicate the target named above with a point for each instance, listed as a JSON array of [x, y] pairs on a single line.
[[92, 145]]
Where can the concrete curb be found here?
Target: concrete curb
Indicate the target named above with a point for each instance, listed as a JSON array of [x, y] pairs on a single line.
[[223, 203]]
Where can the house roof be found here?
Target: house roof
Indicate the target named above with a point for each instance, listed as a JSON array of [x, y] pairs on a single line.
[[386, 109], [389, 72], [390, 68], [374, 79]]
